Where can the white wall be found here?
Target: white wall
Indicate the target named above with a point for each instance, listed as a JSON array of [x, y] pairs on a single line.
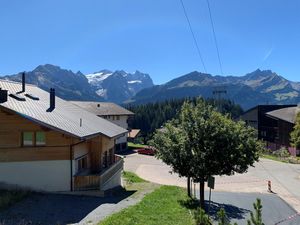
[[122, 122], [37, 175], [114, 181]]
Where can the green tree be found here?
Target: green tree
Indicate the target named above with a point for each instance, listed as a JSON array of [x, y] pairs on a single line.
[[256, 217], [222, 218], [201, 217], [202, 142], [295, 135]]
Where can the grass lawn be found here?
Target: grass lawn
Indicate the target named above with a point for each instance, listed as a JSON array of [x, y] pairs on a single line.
[[133, 146], [8, 198], [292, 160], [132, 178], [165, 205], [275, 158]]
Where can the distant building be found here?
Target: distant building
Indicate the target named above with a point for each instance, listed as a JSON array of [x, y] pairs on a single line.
[[111, 112], [285, 119], [133, 134], [266, 126], [49, 144]]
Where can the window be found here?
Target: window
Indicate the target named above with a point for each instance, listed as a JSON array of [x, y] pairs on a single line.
[[118, 117], [40, 138], [105, 160], [27, 138], [82, 164], [30, 138]]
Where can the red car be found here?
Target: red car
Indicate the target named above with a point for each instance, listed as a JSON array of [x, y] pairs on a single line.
[[146, 151]]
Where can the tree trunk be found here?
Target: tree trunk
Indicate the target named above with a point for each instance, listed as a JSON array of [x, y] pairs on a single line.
[[189, 186], [202, 205]]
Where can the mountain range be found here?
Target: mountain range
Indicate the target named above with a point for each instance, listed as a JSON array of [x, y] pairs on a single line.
[[118, 86], [258, 87], [105, 85]]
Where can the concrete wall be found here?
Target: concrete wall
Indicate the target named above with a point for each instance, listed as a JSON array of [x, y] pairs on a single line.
[[37, 175], [114, 181]]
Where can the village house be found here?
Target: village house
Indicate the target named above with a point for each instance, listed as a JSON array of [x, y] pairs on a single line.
[[113, 113], [49, 144], [267, 128], [285, 119]]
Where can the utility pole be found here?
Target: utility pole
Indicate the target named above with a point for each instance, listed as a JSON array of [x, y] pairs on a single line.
[[218, 91]]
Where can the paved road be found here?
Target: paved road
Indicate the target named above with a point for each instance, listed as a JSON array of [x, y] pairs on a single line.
[[233, 189], [239, 205]]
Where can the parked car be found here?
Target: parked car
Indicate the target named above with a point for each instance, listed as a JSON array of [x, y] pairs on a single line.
[[146, 151]]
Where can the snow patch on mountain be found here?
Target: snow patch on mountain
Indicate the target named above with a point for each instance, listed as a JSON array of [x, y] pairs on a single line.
[[96, 78], [134, 81]]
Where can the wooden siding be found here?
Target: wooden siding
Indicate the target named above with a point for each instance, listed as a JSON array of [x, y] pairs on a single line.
[[34, 154], [12, 126], [89, 182], [11, 149]]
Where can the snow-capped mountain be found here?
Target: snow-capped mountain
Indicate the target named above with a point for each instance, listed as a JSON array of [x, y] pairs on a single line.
[[119, 85]]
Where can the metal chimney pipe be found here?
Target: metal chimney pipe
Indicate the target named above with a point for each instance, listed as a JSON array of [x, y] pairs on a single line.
[[23, 82], [3, 95], [52, 98]]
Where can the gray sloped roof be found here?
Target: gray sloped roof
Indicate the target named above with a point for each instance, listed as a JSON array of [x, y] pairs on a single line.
[[103, 108], [65, 117], [286, 114]]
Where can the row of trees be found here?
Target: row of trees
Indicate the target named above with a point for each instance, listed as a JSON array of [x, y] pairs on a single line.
[[151, 116], [202, 142]]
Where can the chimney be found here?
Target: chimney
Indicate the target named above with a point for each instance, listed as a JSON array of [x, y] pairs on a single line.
[[52, 100], [23, 82], [3, 96]]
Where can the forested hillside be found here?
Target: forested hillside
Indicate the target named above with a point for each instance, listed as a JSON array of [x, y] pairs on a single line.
[[152, 116]]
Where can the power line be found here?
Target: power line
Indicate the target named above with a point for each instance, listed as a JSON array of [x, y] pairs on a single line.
[[193, 35], [215, 38]]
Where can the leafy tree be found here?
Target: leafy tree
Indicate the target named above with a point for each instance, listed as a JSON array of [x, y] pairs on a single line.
[[295, 135], [256, 217], [202, 142]]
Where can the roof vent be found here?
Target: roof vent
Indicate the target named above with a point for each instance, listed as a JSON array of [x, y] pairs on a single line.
[[32, 97], [52, 100], [17, 97], [23, 82], [3, 96]]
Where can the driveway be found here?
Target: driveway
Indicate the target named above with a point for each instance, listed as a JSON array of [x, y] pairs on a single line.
[[284, 179], [62, 209]]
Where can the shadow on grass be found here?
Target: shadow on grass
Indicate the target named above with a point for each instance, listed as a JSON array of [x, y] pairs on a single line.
[[49, 209], [232, 212]]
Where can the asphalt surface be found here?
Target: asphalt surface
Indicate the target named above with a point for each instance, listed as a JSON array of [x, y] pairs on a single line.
[[238, 193], [239, 205]]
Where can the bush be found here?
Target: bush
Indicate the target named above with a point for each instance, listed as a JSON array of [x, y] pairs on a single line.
[[282, 153]]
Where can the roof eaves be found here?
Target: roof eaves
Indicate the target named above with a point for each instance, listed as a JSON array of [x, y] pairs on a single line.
[[41, 123]]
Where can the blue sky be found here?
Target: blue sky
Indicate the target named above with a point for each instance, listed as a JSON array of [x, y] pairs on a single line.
[[151, 36]]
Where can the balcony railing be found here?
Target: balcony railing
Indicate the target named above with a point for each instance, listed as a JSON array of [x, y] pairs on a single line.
[[96, 181]]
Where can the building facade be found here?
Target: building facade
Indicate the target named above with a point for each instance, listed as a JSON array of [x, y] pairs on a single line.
[[48, 144], [113, 113], [267, 128]]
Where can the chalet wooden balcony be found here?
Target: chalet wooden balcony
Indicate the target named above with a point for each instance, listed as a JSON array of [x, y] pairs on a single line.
[[97, 181]]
